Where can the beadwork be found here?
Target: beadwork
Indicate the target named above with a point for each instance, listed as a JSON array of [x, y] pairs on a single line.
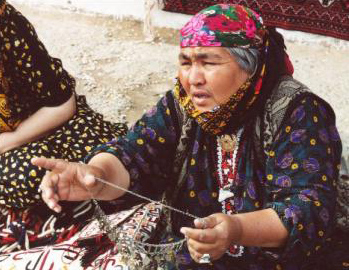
[[227, 169]]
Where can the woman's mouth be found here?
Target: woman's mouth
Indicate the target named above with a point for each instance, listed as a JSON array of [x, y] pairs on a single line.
[[200, 98]]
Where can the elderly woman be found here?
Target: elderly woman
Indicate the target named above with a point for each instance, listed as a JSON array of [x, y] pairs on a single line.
[[40, 115], [241, 143]]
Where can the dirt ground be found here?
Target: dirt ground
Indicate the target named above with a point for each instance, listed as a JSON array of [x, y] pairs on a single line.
[[122, 75]]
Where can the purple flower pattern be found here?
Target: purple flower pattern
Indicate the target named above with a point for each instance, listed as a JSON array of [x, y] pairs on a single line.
[[309, 195], [251, 190], [284, 181], [298, 135], [149, 132], [298, 114], [285, 160], [311, 165], [293, 212]]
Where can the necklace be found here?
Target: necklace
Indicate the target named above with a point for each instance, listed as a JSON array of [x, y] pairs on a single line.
[[227, 151]]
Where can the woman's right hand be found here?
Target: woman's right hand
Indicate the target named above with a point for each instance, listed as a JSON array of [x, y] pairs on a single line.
[[68, 181]]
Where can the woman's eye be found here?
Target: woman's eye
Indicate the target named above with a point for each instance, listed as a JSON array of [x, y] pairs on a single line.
[[210, 63], [185, 63]]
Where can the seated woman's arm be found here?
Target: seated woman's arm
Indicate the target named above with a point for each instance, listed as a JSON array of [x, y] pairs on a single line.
[[128, 162], [299, 204], [38, 125], [39, 91]]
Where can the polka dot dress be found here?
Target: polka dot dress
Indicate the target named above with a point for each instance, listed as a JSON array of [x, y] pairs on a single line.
[[20, 179], [30, 79]]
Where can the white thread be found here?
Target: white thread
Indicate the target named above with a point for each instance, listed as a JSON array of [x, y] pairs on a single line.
[[146, 198]]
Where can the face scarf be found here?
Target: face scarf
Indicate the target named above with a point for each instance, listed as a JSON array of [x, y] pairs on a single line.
[[225, 25]]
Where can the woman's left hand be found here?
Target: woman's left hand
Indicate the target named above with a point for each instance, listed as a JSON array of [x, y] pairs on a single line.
[[6, 142], [213, 235]]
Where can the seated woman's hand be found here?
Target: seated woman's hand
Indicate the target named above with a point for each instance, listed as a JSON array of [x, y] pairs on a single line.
[[68, 181], [6, 142], [213, 235]]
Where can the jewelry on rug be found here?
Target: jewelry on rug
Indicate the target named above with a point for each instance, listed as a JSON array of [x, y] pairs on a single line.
[[139, 254]]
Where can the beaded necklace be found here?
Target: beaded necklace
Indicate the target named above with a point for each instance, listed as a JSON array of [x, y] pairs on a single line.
[[227, 155]]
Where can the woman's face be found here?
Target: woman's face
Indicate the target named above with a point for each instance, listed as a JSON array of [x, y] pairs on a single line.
[[209, 75]]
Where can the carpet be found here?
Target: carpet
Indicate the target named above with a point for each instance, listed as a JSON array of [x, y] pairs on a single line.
[[325, 17]]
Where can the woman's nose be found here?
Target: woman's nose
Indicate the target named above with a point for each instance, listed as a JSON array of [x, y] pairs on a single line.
[[196, 76]]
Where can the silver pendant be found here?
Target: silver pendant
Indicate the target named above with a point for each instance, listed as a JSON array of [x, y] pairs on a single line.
[[225, 193]]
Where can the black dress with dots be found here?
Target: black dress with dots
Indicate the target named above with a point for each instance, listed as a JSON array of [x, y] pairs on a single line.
[[29, 80]]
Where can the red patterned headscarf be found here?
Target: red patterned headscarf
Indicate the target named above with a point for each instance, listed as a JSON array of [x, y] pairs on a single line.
[[226, 25]]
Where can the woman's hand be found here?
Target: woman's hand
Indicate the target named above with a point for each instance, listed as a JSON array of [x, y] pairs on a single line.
[[6, 142], [68, 181], [213, 235]]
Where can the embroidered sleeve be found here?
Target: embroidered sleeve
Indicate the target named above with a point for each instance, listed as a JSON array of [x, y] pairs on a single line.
[[300, 173], [147, 151], [35, 78]]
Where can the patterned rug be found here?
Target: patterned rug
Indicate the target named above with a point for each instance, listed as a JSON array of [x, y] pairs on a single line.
[[325, 17]]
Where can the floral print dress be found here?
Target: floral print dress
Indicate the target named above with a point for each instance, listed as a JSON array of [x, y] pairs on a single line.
[[296, 179]]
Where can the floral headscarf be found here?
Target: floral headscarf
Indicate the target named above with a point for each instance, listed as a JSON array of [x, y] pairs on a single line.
[[225, 25]]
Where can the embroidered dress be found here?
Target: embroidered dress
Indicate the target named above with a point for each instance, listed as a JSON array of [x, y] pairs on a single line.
[[29, 80], [296, 179]]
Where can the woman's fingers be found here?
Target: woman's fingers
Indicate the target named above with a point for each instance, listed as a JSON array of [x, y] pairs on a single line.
[[203, 242], [56, 165], [210, 236], [67, 181], [194, 254], [206, 222], [200, 235], [49, 191]]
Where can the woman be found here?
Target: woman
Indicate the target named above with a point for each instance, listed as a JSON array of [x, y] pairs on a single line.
[[40, 115], [260, 152]]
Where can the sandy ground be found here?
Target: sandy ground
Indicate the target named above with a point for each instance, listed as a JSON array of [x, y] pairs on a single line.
[[122, 75]]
